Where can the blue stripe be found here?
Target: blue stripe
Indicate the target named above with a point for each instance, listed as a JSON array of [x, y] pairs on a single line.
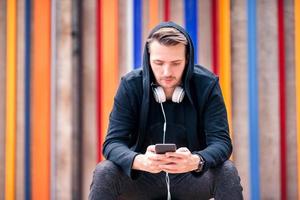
[[253, 102], [191, 23], [137, 33], [27, 157]]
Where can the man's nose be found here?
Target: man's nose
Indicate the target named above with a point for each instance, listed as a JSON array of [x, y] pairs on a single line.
[[166, 70]]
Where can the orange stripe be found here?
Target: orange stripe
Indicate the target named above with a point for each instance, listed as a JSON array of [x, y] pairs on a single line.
[[10, 158], [153, 14], [224, 54], [41, 100], [109, 64]]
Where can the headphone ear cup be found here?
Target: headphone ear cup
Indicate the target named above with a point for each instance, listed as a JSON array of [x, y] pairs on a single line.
[[178, 94], [159, 94]]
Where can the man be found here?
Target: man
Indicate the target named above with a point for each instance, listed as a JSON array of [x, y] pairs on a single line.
[[169, 100]]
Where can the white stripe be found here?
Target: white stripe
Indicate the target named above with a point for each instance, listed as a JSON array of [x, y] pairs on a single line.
[[52, 103], [129, 39]]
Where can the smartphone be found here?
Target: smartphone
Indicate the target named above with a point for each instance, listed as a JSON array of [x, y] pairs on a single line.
[[163, 148]]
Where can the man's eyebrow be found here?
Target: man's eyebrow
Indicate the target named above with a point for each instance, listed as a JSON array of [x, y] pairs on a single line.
[[158, 60]]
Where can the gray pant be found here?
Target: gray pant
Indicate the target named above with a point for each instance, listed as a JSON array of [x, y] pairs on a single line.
[[110, 183]]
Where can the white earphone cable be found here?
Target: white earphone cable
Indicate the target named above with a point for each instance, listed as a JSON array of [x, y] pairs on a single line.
[[164, 140], [168, 186], [165, 123]]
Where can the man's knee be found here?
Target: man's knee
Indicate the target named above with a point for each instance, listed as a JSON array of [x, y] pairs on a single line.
[[227, 182], [106, 172], [106, 166], [228, 169], [228, 173], [105, 179]]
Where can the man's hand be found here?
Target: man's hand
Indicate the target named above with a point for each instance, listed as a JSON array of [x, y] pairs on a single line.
[[150, 161], [180, 161]]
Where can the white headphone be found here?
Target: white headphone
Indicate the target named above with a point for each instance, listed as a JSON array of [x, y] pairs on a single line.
[[160, 96]]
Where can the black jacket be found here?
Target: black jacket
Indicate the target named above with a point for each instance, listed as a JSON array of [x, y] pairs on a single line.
[[207, 127]]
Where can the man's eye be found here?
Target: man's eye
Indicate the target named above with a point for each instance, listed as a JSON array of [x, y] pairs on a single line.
[[158, 63], [176, 64]]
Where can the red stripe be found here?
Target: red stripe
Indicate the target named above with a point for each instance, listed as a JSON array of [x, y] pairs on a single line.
[[214, 38], [282, 103], [99, 110], [167, 10]]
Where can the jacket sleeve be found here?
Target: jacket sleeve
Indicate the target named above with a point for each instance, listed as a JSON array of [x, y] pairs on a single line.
[[215, 126], [122, 125]]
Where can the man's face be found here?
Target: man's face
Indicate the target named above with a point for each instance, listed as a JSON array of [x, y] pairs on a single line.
[[167, 64]]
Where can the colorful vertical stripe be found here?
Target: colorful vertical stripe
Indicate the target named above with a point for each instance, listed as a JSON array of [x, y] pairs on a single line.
[[10, 157], [191, 23], [109, 61], [167, 10], [20, 88], [129, 38], [137, 33], [66, 102], [253, 102], [205, 35], [214, 36], [290, 95], [3, 98], [118, 49], [27, 113], [98, 79], [40, 168], [297, 83], [220, 42], [53, 116], [282, 99], [239, 74], [90, 129], [177, 12], [224, 55], [153, 14]]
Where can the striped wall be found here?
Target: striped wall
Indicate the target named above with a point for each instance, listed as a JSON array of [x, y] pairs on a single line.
[[61, 62]]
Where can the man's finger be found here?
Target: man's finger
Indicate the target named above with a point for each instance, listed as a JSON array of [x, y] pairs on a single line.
[[183, 149], [177, 154], [151, 148], [168, 167]]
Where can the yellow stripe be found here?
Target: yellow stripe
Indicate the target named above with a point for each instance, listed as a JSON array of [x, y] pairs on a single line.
[[109, 65], [297, 83], [224, 55], [11, 101]]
